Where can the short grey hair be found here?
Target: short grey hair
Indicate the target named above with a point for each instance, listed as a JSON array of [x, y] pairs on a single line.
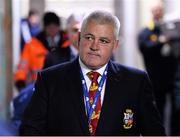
[[102, 17]]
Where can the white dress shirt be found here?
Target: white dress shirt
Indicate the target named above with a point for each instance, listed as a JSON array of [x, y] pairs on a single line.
[[85, 70]]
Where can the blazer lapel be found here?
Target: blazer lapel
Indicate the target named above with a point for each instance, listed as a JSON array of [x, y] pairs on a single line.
[[112, 83], [78, 97]]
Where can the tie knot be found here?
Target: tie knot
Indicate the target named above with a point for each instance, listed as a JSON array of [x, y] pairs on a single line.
[[93, 75]]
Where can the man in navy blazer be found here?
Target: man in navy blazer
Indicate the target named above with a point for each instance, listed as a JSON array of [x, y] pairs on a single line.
[[61, 105]]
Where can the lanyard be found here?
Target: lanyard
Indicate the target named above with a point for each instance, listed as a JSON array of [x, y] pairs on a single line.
[[90, 108]]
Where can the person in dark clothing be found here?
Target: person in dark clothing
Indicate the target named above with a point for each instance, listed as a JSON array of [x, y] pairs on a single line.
[[160, 68], [171, 29], [59, 55], [158, 58], [34, 52], [92, 95]]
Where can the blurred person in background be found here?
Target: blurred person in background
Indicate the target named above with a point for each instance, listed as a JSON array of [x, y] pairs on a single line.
[[171, 30], [73, 30], [18, 105], [34, 52], [158, 58], [30, 27]]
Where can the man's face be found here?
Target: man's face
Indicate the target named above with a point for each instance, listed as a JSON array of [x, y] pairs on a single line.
[[157, 12], [34, 20], [73, 33], [97, 44], [52, 30]]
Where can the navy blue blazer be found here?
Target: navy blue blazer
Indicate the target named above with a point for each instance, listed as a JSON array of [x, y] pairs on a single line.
[[57, 106]]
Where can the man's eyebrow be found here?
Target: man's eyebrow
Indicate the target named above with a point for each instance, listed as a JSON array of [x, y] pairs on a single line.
[[88, 34], [106, 38]]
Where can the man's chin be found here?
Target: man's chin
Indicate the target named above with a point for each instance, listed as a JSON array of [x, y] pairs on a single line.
[[93, 66]]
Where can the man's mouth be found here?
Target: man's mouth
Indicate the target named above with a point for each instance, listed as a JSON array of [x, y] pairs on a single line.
[[93, 54]]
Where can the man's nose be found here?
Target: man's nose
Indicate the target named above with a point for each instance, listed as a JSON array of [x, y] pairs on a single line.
[[94, 45]]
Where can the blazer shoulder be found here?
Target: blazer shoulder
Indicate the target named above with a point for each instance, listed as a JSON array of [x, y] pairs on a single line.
[[119, 68], [130, 74]]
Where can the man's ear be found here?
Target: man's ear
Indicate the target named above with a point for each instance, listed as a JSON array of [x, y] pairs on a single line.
[[116, 44]]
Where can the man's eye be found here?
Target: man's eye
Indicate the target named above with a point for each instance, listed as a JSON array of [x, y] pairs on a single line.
[[103, 41], [88, 37]]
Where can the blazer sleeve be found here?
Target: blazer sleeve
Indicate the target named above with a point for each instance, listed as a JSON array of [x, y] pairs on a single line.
[[35, 115], [150, 120]]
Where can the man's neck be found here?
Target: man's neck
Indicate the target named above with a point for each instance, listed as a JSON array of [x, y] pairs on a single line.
[[86, 69]]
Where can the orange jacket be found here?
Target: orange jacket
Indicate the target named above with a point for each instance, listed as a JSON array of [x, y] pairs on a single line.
[[32, 60]]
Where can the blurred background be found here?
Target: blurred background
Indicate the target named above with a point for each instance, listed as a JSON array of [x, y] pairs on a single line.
[[133, 14]]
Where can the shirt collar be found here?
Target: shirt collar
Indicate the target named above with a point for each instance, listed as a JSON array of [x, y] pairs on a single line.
[[85, 69]]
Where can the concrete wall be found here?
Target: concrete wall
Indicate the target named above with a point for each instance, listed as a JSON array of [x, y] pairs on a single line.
[[5, 58], [2, 62]]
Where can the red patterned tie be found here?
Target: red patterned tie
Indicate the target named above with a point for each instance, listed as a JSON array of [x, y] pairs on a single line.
[[93, 76]]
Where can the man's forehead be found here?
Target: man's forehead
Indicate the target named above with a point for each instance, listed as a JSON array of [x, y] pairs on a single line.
[[76, 25], [98, 23], [98, 28]]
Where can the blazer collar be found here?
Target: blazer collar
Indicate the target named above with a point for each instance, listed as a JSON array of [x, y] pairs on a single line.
[[114, 71]]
